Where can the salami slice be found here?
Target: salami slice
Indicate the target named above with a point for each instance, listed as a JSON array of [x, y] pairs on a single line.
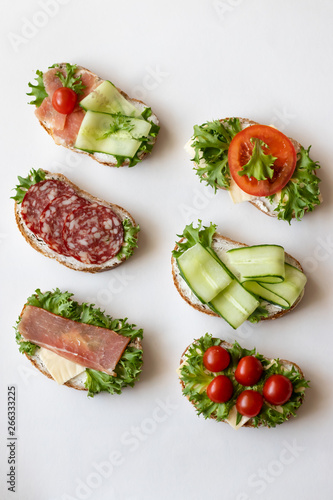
[[93, 234], [38, 197], [53, 218]]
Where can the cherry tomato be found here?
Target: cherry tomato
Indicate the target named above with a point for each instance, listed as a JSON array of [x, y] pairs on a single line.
[[249, 403], [220, 389], [240, 152], [64, 100], [216, 358], [248, 371], [277, 389]]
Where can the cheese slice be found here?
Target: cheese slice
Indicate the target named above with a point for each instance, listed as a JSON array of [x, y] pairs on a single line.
[[232, 417], [237, 194], [60, 369]]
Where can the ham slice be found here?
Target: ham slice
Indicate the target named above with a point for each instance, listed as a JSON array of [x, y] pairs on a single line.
[[90, 346], [64, 127]]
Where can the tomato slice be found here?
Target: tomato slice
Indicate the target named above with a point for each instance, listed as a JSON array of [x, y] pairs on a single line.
[[64, 100], [278, 145], [220, 389], [277, 389], [248, 371], [249, 403], [216, 358]]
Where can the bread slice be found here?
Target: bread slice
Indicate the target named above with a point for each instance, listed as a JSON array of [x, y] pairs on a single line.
[[39, 245], [103, 158], [261, 203], [77, 382], [286, 364], [221, 244]]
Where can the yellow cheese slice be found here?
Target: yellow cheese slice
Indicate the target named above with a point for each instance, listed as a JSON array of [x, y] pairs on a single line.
[[60, 369], [232, 417]]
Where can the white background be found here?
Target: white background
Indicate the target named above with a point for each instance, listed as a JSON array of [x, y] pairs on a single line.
[[191, 61]]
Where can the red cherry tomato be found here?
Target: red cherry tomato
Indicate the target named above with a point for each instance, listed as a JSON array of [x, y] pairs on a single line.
[[216, 358], [64, 100], [249, 403], [240, 152], [277, 389], [248, 371], [220, 389]]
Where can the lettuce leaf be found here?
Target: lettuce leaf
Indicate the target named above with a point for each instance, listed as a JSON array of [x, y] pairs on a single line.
[[301, 194], [193, 235], [196, 379], [70, 80], [38, 91], [260, 165], [211, 143], [33, 177], [129, 366], [130, 239]]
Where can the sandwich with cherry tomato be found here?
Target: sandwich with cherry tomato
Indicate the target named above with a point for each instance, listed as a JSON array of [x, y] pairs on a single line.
[[87, 114], [256, 163], [239, 386]]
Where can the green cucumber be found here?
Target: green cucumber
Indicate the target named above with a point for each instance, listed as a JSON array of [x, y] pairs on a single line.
[[107, 99], [263, 263], [204, 274], [261, 290], [289, 290], [234, 304], [112, 134]]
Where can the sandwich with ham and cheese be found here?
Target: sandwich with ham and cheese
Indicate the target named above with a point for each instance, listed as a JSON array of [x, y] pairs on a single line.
[[87, 114], [78, 345], [256, 163]]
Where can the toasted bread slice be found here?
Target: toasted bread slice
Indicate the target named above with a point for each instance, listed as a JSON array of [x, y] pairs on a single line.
[[221, 244], [262, 203], [288, 365], [103, 158], [39, 245]]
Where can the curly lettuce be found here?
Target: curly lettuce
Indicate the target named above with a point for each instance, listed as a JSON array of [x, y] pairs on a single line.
[[38, 91], [129, 365]]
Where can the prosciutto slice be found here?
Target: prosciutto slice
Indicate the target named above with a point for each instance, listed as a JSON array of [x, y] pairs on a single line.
[[90, 346]]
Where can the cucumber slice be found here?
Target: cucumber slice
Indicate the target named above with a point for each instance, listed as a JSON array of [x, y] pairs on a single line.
[[291, 288], [107, 99], [260, 290], [234, 304], [123, 141], [203, 273], [264, 263]]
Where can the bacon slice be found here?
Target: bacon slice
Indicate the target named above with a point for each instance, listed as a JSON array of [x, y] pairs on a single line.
[[90, 346]]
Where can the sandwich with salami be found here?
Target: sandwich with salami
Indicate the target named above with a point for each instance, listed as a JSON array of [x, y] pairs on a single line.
[[87, 114], [222, 277], [78, 345], [65, 223], [238, 386], [256, 163]]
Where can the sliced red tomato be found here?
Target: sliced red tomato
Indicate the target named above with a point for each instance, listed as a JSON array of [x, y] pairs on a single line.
[[64, 100], [277, 389], [220, 389], [278, 145], [248, 371], [216, 358], [249, 403]]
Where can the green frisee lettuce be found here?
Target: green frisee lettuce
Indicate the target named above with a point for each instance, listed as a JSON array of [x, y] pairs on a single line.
[[38, 91], [260, 165]]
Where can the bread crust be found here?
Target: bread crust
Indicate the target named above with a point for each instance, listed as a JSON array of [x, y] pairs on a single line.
[[43, 248], [71, 148], [200, 307], [227, 345]]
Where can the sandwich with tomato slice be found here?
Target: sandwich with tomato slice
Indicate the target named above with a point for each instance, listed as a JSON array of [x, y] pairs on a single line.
[[238, 386], [256, 163]]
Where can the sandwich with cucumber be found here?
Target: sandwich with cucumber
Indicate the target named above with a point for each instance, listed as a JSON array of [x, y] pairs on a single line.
[[222, 277], [78, 345], [238, 386], [87, 114], [63, 222], [256, 163]]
